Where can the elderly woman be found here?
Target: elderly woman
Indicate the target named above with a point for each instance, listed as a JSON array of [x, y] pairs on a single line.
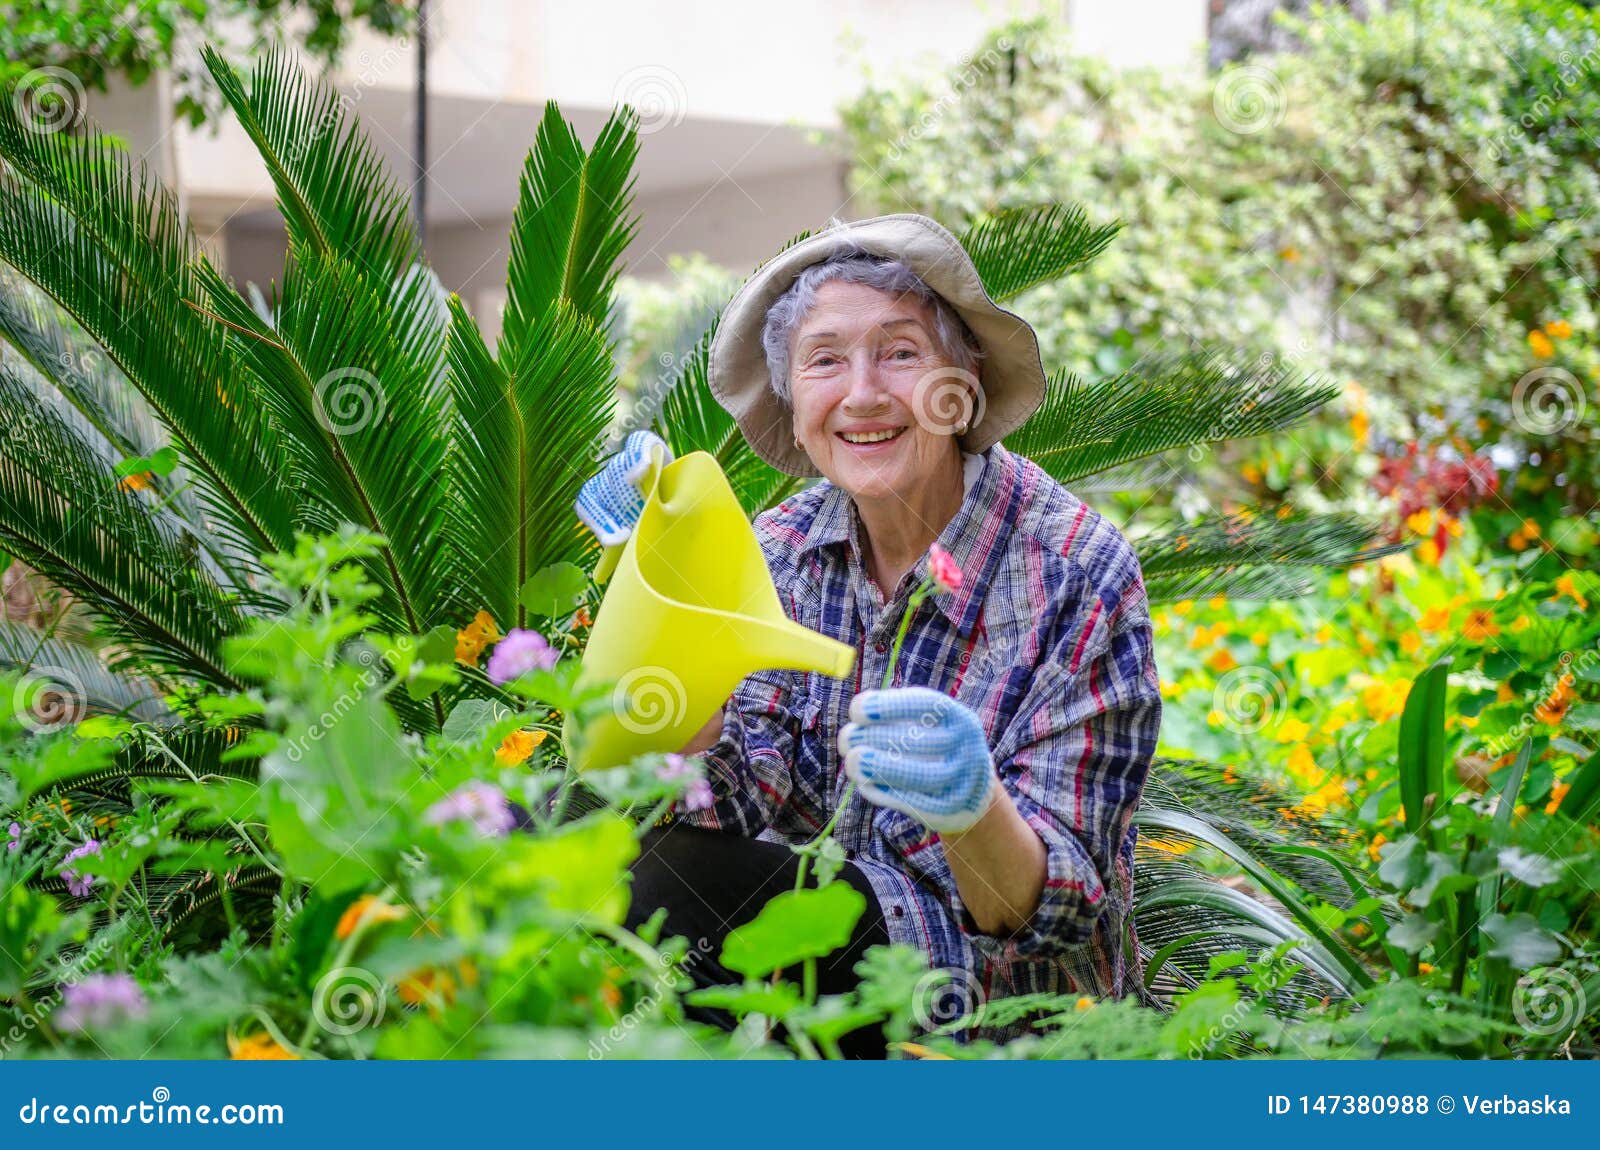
[[998, 775]]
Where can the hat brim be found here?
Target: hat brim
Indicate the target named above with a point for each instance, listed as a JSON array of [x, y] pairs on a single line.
[[1011, 373]]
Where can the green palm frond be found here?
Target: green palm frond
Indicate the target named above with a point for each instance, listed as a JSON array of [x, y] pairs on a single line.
[[572, 224], [1162, 403], [526, 428], [1021, 248], [691, 419], [62, 513], [79, 669], [74, 366], [102, 238], [333, 191], [1251, 555], [360, 420]]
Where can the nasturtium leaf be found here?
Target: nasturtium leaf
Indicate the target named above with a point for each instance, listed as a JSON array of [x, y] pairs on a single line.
[[1532, 869], [1412, 933], [469, 719], [1584, 717], [775, 1000], [1520, 940], [796, 925], [437, 645], [554, 591]]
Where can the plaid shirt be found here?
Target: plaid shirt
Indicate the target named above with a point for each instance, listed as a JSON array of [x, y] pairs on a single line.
[[1048, 641]]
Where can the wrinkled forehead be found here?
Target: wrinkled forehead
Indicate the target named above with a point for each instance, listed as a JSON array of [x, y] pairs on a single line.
[[848, 310]]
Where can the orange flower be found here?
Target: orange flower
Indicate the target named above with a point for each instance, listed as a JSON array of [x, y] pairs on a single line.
[[1505, 694], [1434, 619], [366, 909], [1540, 344], [474, 637], [1360, 426], [1289, 255], [1421, 521], [1424, 968], [1567, 586], [260, 1047], [1222, 661], [582, 619], [138, 481], [1558, 329], [1377, 841], [433, 986], [1480, 625], [1410, 643], [518, 745], [1559, 702], [1558, 791], [1293, 730]]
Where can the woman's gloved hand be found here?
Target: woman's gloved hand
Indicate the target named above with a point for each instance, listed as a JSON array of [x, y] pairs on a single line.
[[920, 752], [610, 502]]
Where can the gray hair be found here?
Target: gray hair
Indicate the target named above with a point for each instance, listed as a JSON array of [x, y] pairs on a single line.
[[951, 336]]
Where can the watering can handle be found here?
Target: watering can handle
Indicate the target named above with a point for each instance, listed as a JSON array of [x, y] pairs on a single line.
[[610, 556]]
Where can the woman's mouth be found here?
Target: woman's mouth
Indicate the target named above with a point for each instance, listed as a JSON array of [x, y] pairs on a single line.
[[871, 439]]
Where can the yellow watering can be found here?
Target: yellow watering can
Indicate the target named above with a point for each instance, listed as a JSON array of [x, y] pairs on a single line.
[[690, 611]]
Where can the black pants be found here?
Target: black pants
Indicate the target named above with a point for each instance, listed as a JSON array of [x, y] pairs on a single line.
[[710, 883]]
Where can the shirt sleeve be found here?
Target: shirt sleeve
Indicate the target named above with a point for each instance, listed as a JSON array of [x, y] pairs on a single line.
[[750, 767], [1076, 774]]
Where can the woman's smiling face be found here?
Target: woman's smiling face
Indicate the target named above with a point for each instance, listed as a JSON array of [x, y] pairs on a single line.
[[863, 365]]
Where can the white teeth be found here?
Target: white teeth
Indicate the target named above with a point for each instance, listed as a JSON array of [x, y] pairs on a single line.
[[870, 436]]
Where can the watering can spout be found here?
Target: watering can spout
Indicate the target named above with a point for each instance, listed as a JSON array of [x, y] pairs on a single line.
[[689, 611]]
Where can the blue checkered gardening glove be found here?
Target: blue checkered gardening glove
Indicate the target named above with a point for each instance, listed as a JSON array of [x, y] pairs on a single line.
[[921, 752], [611, 501]]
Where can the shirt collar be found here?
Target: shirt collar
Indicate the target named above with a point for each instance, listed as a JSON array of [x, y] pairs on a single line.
[[975, 537]]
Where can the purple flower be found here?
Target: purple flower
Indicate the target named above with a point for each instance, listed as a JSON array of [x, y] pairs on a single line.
[[79, 884], [484, 805], [100, 1000], [15, 831], [698, 797], [518, 653]]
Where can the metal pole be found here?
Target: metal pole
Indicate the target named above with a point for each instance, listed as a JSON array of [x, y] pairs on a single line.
[[419, 182]]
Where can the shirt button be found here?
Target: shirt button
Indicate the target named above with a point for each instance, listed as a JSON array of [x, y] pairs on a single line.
[[898, 911], [880, 646]]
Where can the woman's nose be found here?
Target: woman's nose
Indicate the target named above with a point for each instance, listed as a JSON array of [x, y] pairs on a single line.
[[866, 384]]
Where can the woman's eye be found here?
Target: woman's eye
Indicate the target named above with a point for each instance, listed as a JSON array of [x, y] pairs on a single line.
[[904, 354]]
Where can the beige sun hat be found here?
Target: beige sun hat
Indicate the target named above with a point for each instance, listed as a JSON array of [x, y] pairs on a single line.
[[1011, 374]]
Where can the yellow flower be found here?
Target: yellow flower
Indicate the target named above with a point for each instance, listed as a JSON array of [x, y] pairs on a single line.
[[1410, 642], [1292, 730], [1558, 329], [518, 745], [1183, 608], [1304, 766], [1424, 968], [1377, 841], [1085, 1003], [260, 1047], [1421, 522], [1434, 619], [1289, 255], [925, 1053], [1260, 638], [1383, 701], [1520, 624], [1480, 625], [1251, 474], [138, 481], [1428, 552], [366, 909], [1540, 344], [1324, 633], [1222, 661], [434, 986], [1557, 792], [1360, 427], [1217, 603]]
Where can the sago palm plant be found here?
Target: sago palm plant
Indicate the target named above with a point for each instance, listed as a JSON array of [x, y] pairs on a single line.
[[164, 429]]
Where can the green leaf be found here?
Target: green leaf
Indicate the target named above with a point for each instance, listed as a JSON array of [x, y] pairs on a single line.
[[470, 719], [1422, 743], [795, 925], [1020, 248], [776, 1000], [1520, 940], [1584, 717], [554, 591], [1413, 932], [1530, 869], [437, 645]]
